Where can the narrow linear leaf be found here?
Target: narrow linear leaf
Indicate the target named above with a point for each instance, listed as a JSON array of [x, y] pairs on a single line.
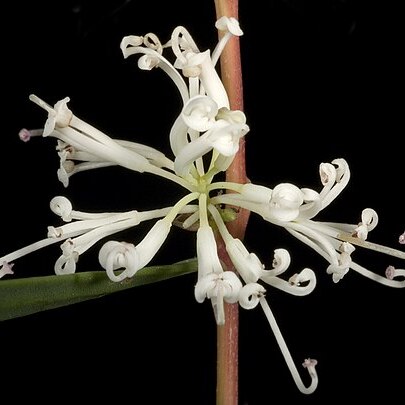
[[26, 296]]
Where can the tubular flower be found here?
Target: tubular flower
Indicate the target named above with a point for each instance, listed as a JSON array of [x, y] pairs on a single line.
[[204, 140], [294, 209]]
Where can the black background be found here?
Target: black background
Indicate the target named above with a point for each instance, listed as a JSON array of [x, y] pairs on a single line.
[[322, 80]]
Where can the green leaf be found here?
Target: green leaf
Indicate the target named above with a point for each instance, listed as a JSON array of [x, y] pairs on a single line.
[[26, 296]]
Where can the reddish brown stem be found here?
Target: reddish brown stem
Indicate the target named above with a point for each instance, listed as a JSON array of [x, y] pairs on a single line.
[[227, 335]]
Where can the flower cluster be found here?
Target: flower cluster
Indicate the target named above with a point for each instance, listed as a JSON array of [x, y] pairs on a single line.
[[204, 140]]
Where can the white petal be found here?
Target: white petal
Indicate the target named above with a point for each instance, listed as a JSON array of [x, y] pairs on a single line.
[[58, 117], [147, 62], [230, 24], [130, 40], [312, 203], [189, 59], [54, 232], [190, 153], [342, 179], [285, 202], [63, 176], [281, 262], [63, 207], [164, 64], [250, 294], [153, 241], [204, 285], [224, 137], [256, 193], [207, 254], [233, 283], [66, 265], [369, 218], [347, 247], [199, 113], [327, 173], [224, 286], [231, 116], [307, 277], [247, 264], [115, 255], [63, 114], [212, 83]]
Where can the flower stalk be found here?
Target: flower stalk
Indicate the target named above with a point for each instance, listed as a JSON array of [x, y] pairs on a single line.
[[227, 334]]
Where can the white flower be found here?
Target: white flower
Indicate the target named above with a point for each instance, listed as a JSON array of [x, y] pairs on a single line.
[[222, 137], [247, 264], [204, 140], [229, 24], [229, 27], [339, 269], [286, 200], [69, 157], [83, 147], [199, 113], [66, 264], [58, 117], [63, 207], [207, 252], [301, 283], [250, 295], [205, 124], [119, 255], [218, 287], [294, 209], [369, 220], [281, 262], [251, 269], [66, 127]]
